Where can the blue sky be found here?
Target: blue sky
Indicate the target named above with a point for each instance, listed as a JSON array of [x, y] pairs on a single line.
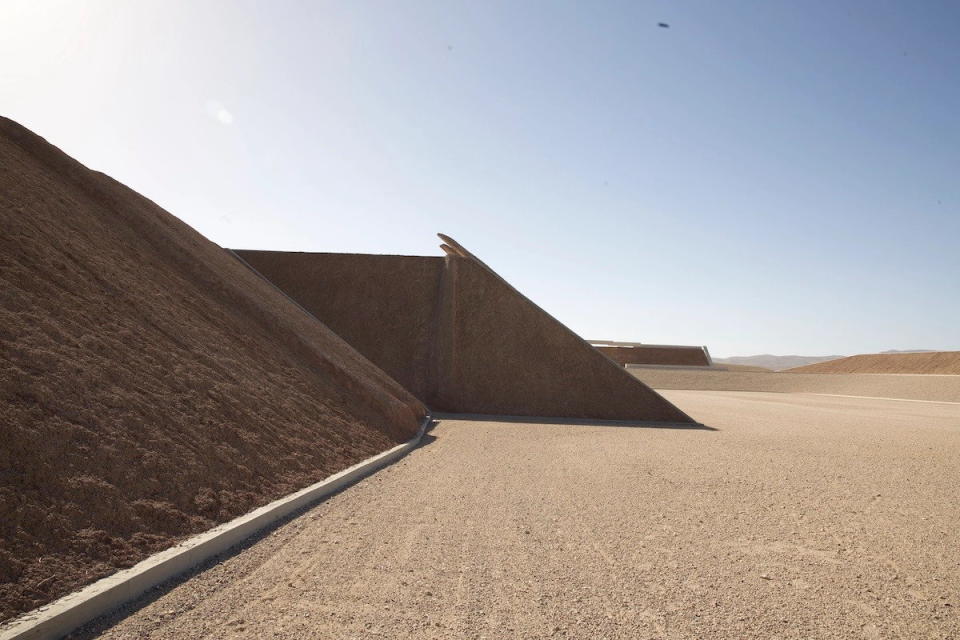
[[760, 177]]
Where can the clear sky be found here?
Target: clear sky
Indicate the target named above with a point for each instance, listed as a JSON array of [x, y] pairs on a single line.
[[760, 177]]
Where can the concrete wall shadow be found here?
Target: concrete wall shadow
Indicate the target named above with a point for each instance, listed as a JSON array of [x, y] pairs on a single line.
[[583, 422]]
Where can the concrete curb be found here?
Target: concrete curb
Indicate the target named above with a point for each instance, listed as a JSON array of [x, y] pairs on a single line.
[[58, 618]]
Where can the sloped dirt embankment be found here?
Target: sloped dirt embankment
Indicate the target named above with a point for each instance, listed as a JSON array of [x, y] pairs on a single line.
[[932, 362], [150, 385]]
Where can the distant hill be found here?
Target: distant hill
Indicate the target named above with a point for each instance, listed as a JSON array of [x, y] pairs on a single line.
[[928, 362], [776, 363]]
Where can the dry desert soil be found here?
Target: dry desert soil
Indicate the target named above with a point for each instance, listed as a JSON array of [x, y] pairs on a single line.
[[792, 516], [150, 385]]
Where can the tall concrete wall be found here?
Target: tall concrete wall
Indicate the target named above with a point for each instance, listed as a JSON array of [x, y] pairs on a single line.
[[459, 337], [383, 306]]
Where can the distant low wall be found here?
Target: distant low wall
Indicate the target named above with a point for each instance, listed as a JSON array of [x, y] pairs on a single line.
[[666, 355], [910, 387]]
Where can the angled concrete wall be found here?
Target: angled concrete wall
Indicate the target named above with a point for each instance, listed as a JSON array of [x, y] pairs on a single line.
[[505, 355], [459, 337]]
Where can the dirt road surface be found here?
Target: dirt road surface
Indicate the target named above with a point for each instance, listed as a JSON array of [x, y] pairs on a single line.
[[799, 516]]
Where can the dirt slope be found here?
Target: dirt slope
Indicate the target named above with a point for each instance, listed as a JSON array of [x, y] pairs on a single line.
[[150, 385], [932, 362]]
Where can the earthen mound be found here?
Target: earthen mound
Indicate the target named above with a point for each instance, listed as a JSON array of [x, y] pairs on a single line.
[[927, 362], [150, 385]]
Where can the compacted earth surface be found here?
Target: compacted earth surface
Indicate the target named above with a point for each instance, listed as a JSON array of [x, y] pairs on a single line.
[[791, 516]]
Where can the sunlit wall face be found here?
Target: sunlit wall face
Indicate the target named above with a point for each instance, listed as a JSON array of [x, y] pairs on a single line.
[[773, 177]]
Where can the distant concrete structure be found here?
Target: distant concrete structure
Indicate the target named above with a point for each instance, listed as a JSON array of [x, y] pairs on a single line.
[[459, 337], [638, 353]]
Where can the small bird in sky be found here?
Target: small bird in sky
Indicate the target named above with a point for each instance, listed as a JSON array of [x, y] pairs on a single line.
[[663, 25]]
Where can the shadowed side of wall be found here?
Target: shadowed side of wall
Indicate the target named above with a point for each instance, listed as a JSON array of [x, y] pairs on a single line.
[[459, 337], [506, 355], [383, 306], [676, 356]]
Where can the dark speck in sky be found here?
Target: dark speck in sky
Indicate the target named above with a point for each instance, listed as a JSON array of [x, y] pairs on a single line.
[[663, 25]]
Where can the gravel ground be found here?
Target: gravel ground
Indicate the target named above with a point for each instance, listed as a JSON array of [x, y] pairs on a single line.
[[797, 517]]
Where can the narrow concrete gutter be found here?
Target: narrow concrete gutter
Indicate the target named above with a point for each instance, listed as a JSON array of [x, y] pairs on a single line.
[[58, 618]]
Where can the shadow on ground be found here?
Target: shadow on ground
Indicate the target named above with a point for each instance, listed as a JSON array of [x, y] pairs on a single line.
[[582, 422]]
